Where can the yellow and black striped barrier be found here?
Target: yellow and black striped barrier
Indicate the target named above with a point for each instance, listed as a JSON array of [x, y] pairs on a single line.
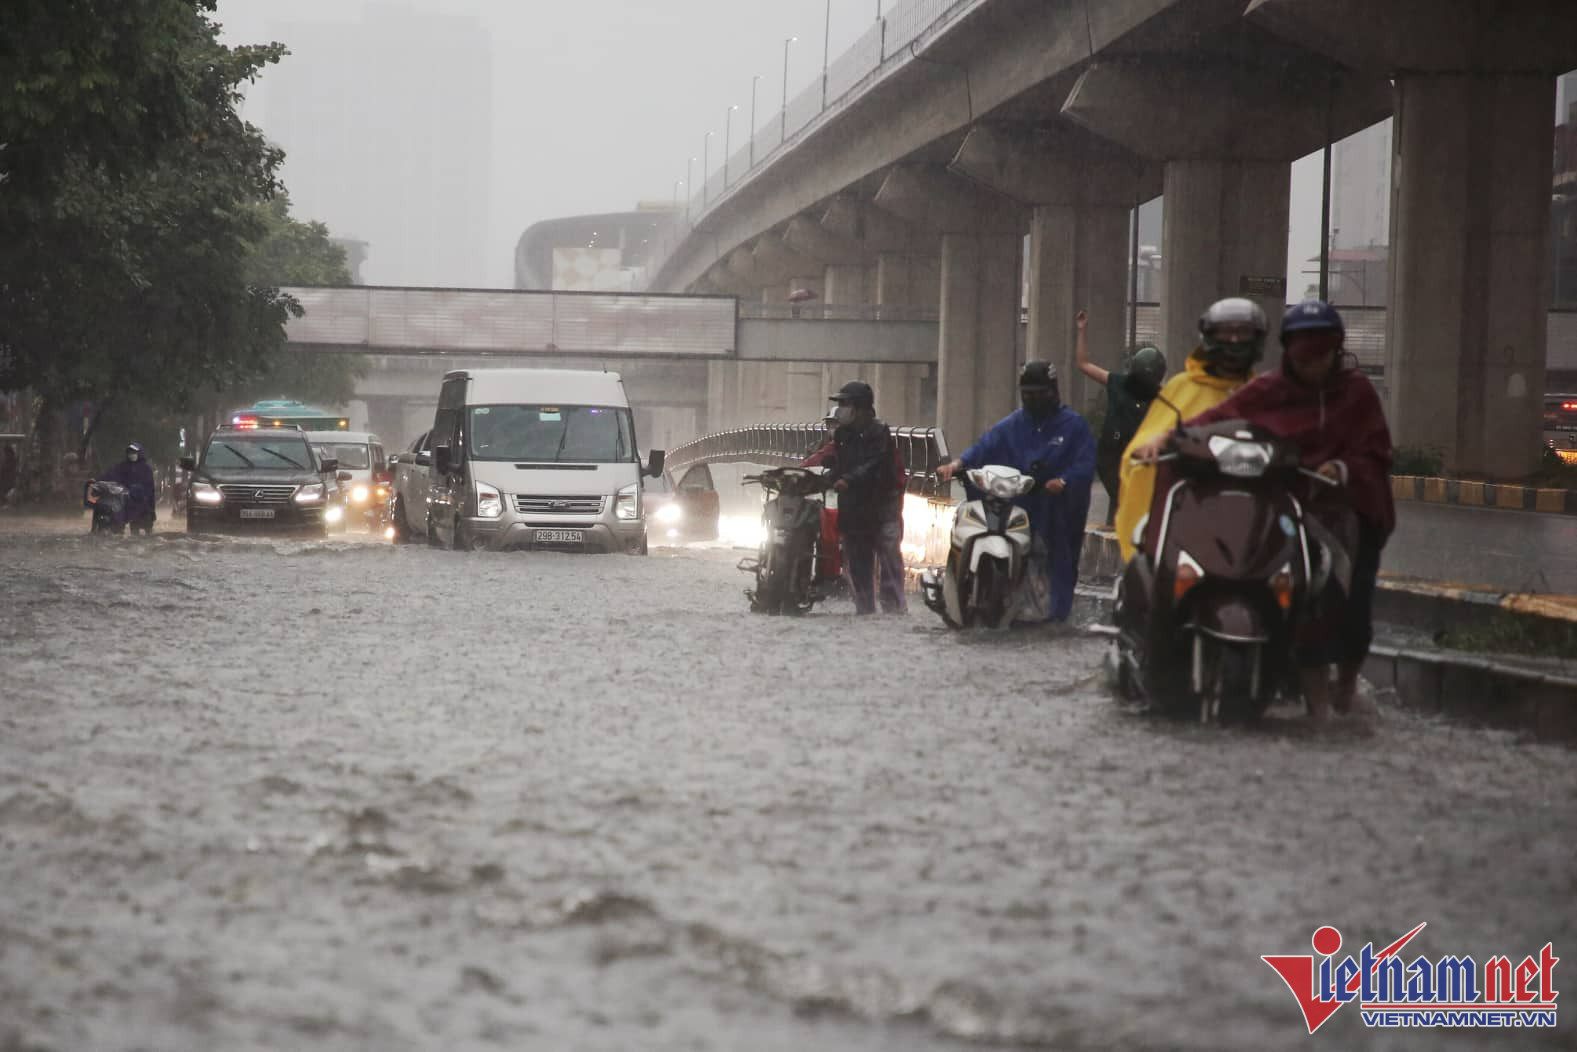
[[1484, 494]]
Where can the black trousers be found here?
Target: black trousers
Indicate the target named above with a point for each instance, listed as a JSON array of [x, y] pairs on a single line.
[[1347, 626]]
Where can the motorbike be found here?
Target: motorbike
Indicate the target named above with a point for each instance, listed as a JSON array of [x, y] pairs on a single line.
[[1208, 608], [788, 570], [986, 560], [108, 501]]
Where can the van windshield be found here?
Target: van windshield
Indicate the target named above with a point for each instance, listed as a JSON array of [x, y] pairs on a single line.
[[572, 433]]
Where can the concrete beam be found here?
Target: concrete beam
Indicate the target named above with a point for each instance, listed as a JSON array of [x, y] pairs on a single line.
[[1170, 108], [1512, 36], [1055, 164], [811, 238], [779, 263], [877, 230], [933, 199]]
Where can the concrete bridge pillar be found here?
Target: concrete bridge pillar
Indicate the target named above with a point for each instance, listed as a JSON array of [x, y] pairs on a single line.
[[1082, 190], [806, 396], [909, 281], [722, 395], [1469, 269], [981, 292], [1225, 224], [1227, 133], [849, 285], [415, 418], [900, 394]]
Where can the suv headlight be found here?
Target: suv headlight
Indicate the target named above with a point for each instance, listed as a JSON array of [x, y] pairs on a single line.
[[489, 502], [310, 494], [628, 504], [203, 493]]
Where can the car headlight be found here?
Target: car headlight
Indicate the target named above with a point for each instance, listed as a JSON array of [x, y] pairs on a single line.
[[359, 494], [489, 502], [669, 514], [628, 504], [310, 494], [203, 493], [1238, 458]]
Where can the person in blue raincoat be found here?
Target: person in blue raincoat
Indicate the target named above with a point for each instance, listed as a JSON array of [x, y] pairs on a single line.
[[1049, 441]]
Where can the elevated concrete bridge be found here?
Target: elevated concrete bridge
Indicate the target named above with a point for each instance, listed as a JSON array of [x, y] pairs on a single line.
[[954, 130]]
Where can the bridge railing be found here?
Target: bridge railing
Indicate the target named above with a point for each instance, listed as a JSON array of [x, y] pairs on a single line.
[[923, 449], [889, 44]]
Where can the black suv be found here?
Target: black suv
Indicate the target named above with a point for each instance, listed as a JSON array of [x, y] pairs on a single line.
[[270, 478]]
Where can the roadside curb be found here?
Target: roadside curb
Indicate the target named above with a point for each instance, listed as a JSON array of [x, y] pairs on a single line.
[[1466, 494]]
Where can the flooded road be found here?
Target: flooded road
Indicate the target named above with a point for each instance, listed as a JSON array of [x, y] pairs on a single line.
[[344, 795]]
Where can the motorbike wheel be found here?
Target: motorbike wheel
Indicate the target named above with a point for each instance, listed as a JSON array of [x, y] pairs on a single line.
[[1229, 698], [798, 597], [770, 581], [993, 594]]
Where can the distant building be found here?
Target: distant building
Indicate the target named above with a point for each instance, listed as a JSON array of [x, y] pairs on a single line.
[[1563, 211], [1361, 189], [412, 172], [607, 252]]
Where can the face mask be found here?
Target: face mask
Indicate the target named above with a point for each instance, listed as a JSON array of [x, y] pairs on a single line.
[[133, 457], [844, 414], [1038, 403]]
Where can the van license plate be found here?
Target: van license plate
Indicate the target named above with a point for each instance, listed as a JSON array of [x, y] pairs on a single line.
[[257, 513], [560, 536]]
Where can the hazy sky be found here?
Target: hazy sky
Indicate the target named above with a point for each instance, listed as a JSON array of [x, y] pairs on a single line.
[[599, 104]]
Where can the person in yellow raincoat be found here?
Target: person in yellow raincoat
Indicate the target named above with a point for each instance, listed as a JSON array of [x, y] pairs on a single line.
[[1232, 338]]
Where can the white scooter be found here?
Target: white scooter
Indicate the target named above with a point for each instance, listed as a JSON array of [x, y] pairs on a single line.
[[989, 552]]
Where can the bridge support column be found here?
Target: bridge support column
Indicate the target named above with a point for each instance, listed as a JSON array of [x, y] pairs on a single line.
[[977, 360], [1225, 222], [1469, 278], [722, 395], [981, 291], [849, 285], [909, 281], [415, 418], [1077, 260], [900, 394], [807, 396], [1082, 189]]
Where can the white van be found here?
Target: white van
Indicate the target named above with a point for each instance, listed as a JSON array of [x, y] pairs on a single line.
[[536, 458]]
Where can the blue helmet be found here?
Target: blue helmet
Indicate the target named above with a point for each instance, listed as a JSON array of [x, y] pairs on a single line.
[[1309, 316]]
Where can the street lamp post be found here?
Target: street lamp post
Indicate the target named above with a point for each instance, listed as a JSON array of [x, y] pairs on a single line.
[[783, 127], [689, 181], [706, 180], [755, 82], [826, 54], [728, 141]]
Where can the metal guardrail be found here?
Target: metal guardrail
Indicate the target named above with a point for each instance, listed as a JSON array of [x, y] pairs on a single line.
[[886, 46], [923, 449], [832, 312]]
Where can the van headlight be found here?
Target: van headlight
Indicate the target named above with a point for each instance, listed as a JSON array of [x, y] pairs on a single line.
[[310, 494], [628, 504], [203, 493], [489, 502]]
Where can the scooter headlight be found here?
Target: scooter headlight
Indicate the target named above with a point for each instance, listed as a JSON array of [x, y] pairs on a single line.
[[489, 502], [359, 494], [1246, 460], [628, 504], [668, 514], [1189, 573]]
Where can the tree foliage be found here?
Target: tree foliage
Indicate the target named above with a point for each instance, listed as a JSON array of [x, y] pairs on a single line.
[[128, 204]]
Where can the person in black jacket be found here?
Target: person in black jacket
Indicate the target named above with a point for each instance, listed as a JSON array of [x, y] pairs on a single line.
[[870, 506]]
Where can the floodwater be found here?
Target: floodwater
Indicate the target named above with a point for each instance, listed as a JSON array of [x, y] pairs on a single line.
[[345, 795]]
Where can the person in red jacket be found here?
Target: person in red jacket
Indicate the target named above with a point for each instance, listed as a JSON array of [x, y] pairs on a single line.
[[1323, 403]]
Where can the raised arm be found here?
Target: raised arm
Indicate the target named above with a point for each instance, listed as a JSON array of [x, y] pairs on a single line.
[[1081, 351]]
